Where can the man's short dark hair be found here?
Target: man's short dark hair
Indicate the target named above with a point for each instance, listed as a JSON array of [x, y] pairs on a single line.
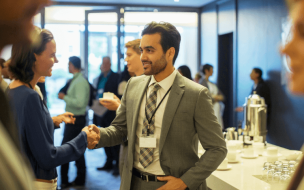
[[75, 61], [23, 55], [170, 37], [206, 67], [258, 71]]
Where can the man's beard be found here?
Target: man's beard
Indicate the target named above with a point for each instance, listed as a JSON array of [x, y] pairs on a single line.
[[158, 66]]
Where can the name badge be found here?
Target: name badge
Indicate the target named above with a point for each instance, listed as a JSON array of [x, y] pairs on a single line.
[[147, 142]]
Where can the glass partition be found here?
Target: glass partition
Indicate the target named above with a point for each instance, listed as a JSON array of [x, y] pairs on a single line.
[[67, 25], [102, 41]]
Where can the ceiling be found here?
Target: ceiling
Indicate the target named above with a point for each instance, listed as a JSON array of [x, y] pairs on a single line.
[[170, 3]]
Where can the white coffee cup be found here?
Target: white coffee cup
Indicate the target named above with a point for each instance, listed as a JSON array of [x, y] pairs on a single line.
[[231, 146], [293, 155], [108, 95], [258, 148], [231, 155], [249, 152], [239, 143]]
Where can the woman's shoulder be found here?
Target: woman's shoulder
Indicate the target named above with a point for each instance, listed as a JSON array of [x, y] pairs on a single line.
[[22, 92]]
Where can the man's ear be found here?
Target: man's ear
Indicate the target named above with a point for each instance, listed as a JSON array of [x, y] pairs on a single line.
[[170, 53]]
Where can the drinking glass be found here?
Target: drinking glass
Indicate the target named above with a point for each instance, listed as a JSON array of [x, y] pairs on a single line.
[[285, 176], [278, 163], [277, 174], [271, 171], [285, 166]]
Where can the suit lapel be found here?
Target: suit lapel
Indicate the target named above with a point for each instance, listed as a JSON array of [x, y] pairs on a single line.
[[175, 96], [138, 96]]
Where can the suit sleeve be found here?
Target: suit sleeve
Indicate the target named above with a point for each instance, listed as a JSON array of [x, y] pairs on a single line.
[[211, 138], [117, 132]]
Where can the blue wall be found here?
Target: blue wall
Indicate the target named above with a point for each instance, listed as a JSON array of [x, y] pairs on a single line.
[[209, 38], [259, 24]]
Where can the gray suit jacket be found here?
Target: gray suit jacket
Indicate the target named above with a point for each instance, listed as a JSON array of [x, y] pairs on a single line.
[[188, 115]]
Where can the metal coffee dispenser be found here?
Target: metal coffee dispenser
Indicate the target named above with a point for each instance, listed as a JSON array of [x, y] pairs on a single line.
[[255, 117]]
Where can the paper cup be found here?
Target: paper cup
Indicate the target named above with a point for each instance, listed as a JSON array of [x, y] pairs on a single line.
[[108, 95]]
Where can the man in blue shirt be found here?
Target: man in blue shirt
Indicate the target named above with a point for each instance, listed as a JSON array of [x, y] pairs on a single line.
[[107, 81]]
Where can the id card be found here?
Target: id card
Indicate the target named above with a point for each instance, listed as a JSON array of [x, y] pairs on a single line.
[[147, 142]]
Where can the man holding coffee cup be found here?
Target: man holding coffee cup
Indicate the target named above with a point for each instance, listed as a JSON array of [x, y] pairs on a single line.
[[134, 66], [107, 84]]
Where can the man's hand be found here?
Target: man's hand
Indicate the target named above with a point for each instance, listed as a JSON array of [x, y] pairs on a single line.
[[173, 183], [93, 136], [110, 104], [61, 95]]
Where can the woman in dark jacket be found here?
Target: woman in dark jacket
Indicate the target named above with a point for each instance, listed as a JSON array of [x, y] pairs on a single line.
[[30, 61]]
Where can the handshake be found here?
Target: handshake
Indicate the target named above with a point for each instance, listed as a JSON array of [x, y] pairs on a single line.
[[93, 135]]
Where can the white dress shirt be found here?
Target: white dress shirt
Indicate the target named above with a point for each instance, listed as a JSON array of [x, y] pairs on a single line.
[[165, 84]]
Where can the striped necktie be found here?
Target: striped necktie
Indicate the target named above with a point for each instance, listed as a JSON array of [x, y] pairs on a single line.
[[146, 154]]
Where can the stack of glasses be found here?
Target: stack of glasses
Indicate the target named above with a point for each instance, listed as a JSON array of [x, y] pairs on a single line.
[[279, 171]]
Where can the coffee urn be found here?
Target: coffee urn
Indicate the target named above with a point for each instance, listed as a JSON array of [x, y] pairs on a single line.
[[255, 117]]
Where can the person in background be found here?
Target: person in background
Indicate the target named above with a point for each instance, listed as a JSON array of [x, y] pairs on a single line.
[[29, 62], [134, 65], [76, 99], [124, 77], [3, 83], [260, 88], [107, 81], [15, 27], [133, 57], [197, 77], [295, 51], [133, 68], [216, 94], [67, 117], [174, 136], [185, 71]]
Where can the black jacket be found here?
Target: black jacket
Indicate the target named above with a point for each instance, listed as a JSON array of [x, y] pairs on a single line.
[[262, 90], [110, 86]]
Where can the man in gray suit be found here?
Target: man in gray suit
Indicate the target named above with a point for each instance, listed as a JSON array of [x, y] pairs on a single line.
[[163, 115]]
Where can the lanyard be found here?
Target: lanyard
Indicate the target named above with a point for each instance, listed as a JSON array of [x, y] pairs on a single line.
[[150, 120]]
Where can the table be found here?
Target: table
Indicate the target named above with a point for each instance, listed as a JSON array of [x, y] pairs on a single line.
[[241, 176]]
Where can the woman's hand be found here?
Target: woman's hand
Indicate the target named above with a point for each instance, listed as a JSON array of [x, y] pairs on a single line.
[[67, 117]]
